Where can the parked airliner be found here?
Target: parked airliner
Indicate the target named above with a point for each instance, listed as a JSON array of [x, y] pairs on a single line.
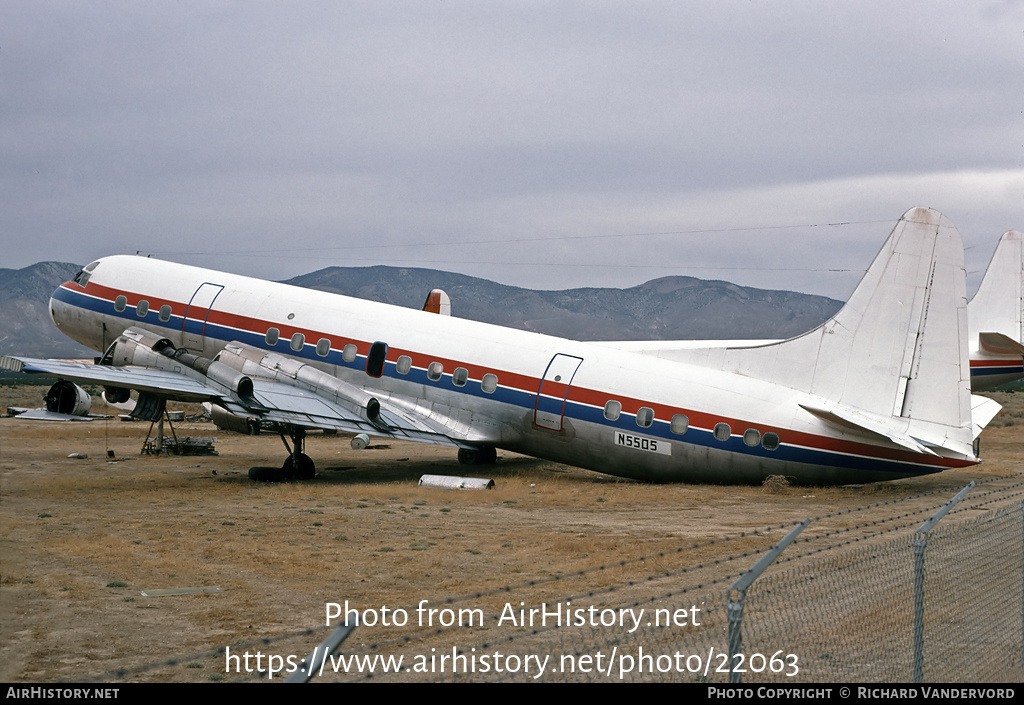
[[879, 391]]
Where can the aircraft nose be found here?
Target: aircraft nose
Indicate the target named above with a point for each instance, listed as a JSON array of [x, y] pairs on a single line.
[[57, 307], [72, 320]]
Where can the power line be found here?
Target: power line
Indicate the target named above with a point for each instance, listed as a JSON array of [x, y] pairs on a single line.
[[507, 241]]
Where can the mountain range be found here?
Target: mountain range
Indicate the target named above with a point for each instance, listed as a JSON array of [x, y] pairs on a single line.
[[667, 308]]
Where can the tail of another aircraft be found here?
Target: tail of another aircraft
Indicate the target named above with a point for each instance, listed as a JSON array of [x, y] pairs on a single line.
[[997, 310], [893, 361]]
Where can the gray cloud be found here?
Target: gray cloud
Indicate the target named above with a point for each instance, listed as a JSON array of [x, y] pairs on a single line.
[[281, 138]]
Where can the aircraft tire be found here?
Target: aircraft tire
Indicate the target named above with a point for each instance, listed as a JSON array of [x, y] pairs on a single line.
[[306, 469], [484, 455]]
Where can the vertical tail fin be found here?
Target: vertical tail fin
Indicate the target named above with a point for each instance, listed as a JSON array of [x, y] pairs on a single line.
[[438, 302], [997, 309], [894, 359]]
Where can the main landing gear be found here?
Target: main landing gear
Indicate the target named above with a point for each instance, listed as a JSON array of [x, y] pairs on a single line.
[[484, 455], [297, 466]]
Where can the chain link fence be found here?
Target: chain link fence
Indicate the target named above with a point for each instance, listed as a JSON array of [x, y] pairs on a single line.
[[892, 592], [844, 615]]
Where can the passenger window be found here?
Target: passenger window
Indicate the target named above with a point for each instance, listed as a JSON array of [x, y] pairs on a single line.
[[375, 360], [273, 334], [298, 340], [460, 376], [435, 371], [752, 437], [644, 417], [722, 431], [612, 409], [679, 425], [120, 302], [142, 308], [323, 346], [489, 383], [165, 313], [770, 441], [349, 352], [404, 364]]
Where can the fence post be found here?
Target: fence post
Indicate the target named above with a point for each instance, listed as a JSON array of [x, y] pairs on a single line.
[[734, 607], [920, 543], [311, 664]]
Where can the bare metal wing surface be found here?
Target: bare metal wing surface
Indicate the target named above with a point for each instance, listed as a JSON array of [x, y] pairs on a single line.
[[267, 400]]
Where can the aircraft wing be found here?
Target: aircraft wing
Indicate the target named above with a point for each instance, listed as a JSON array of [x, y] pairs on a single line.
[[264, 399], [288, 404], [169, 385], [47, 415]]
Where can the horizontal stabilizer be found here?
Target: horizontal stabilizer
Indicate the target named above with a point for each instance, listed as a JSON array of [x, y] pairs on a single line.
[[999, 344], [855, 418], [983, 410]]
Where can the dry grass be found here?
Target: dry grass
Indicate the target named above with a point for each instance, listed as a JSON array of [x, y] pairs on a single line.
[[775, 484], [1012, 413], [362, 531]]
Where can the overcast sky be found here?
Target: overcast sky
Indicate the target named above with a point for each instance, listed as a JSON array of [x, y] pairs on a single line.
[[543, 144]]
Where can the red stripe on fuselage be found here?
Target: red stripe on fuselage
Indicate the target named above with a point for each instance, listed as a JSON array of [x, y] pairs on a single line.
[[529, 384], [999, 362]]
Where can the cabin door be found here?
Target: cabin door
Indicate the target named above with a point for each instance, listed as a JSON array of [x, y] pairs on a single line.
[[193, 327], [554, 388]]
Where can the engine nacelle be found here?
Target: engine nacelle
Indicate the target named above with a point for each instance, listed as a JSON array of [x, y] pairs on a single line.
[[267, 365], [146, 349], [224, 419], [136, 346], [116, 395], [68, 398]]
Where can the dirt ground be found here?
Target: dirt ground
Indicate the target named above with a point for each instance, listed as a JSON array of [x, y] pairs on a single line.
[[82, 538]]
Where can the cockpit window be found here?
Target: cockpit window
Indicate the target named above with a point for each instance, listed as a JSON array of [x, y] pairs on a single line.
[[82, 278]]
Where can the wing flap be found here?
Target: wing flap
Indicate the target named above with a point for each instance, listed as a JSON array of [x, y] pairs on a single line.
[[287, 404]]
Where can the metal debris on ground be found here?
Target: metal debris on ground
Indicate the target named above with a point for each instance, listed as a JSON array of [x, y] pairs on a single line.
[[169, 592]]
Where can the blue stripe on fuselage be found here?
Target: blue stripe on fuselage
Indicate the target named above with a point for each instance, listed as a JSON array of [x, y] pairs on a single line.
[[524, 399]]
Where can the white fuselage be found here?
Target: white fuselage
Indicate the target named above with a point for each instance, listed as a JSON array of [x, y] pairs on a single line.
[[535, 394]]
